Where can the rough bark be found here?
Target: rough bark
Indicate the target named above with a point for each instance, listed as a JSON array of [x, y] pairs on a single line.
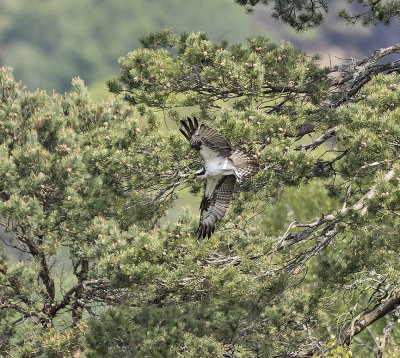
[[357, 326]]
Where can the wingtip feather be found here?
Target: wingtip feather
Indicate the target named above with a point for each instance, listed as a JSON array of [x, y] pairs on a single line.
[[189, 132], [184, 133], [191, 124]]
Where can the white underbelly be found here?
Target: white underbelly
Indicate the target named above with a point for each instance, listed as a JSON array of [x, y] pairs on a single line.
[[219, 166]]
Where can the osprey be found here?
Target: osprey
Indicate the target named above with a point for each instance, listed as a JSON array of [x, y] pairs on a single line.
[[222, 170]]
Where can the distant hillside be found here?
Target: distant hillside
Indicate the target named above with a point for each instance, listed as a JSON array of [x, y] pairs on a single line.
[[50, 41]]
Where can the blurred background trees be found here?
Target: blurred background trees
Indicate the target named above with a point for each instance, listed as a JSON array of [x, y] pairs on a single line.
[[48, 42]]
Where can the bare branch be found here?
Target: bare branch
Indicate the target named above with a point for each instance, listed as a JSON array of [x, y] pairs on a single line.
[[360, 205], [321, 139], [70, 293], [363, 321], [16, 308], [356, 74], [289, 239]]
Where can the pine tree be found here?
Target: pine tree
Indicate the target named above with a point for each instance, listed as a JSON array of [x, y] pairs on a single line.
[[305, 14], [304, 262], [71, 170], [298, 285]]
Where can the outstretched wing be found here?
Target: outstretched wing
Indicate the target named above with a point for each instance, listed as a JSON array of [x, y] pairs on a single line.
[[202, 138], [245, 164], [215, 202]]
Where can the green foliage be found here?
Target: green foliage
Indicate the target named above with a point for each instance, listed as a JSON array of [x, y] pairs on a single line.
[[260, 95], [308, 247], [374, 12], [67, 165], [191, 70], [149, 332], [300, 14], [49, 342], [305, 14]]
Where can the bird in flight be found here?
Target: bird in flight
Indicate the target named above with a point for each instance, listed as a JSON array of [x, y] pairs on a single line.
[[222, 170]]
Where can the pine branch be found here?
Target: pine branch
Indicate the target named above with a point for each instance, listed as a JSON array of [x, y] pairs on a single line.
[[361, 204], [68, 296], [16, 308], [320, 140], [366, 319], [356, 74], [388, 331]]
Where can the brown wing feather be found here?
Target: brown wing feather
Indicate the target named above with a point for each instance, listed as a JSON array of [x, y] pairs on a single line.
[[213, 140], [245, 163], [201, 136], [214, 208]]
